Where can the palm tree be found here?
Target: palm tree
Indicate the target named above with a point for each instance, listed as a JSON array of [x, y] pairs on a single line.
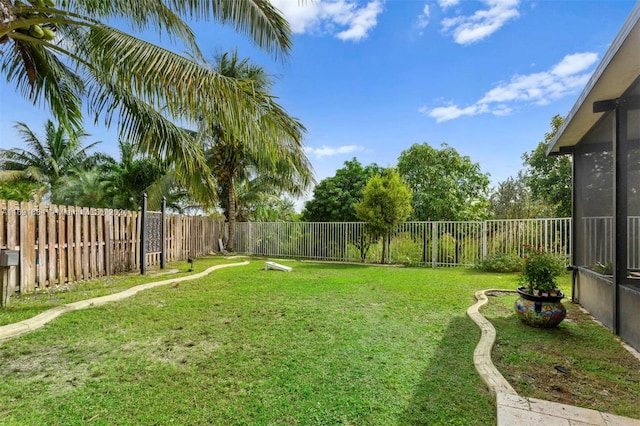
[[85, 187], [279, 158], [47, 160], [19, 190], [257, 200], [134, 175], [64, 54]]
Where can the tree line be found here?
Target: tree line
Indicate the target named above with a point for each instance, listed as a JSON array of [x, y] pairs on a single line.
[[446, 186], [240, 151]]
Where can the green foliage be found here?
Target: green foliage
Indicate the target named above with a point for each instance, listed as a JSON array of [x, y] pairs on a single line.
[[143, 88], [501, 262], [127, 180], [270, 209], [19, 189], [48, 160], [512, 199], [540, 270], [118, 185], [276, 167], [604, 269], [334, 198], [386, 202], [549, 177], [445, 185]]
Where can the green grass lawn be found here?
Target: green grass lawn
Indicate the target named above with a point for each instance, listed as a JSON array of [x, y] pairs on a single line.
[[600, 373], [23, 306], [324, 344]]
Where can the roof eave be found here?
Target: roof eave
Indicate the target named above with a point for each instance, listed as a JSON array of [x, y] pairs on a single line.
[[619, 67]]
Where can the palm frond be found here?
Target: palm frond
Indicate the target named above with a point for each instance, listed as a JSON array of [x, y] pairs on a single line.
[[39, 74], [9, 175], [258, 19], [140, 15], [157, 137]]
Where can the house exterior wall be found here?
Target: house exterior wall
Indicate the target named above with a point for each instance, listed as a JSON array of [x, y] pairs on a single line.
[[629, 312], [595, 293]]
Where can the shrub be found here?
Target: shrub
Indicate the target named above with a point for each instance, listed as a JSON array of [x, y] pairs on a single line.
[[540, 270], [501, 262]]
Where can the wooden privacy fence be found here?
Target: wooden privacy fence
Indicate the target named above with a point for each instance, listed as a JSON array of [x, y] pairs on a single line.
[[64, 244]]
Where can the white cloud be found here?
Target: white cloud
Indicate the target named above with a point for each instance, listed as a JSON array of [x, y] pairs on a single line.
[[326, 151], [346, 20], [483, 23], [573, 64], [564, 78], [423, 18], [453, 111], [448, 3]]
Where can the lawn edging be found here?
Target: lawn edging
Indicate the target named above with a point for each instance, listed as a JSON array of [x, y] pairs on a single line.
[[482, 354], [17, 329]]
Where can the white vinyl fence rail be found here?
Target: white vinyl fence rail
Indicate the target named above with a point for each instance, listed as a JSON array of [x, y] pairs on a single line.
[[419, 243]]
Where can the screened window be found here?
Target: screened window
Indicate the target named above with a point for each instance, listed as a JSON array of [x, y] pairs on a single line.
[[594, 198], [631, 103]]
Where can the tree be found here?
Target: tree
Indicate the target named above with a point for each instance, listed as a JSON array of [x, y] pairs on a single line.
[[334, 197], [134, 175], [386, 202], [18, 189], [48, 160], [512, 199], [280, 161], [66, 54], [445, 185], [257, 200], [86, 188], [549, 177]]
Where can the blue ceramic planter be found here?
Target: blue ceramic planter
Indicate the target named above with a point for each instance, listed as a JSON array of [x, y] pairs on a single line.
[[540, 311]]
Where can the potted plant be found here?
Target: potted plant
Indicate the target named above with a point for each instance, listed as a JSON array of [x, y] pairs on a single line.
[[539, 302]]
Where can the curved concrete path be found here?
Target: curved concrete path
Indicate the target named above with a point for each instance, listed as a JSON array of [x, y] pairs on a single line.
[[34, 323], [482, 354], [514, 410]]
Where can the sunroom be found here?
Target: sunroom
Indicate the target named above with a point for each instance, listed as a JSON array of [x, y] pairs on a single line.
[[602, 133]]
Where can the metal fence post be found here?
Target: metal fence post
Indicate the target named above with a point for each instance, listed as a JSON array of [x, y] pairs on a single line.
[[434, 248], [546, 235], [484, 239]]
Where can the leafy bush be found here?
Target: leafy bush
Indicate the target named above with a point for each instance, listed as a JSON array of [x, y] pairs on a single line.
[[540, 270], [501, 262]]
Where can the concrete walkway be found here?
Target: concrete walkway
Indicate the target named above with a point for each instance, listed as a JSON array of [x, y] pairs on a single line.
[[34, 323], [514, 410]]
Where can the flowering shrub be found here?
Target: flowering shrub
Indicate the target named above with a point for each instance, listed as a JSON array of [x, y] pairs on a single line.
[[540, 270]]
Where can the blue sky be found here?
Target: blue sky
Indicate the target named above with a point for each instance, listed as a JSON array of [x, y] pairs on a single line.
[[370, 78]]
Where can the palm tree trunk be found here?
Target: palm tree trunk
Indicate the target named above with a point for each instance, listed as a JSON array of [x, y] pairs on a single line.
[[232, 214]]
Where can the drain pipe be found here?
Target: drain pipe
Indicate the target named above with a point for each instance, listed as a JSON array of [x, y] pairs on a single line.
[[574, 274]]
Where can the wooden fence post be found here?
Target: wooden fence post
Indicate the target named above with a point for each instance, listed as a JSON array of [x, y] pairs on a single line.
[[143, 235], [163, 233]]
